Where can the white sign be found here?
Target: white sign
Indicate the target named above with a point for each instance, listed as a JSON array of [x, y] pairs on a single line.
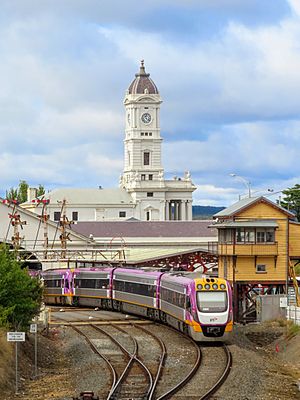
[[33, 328], [283, 302], [16, 336]]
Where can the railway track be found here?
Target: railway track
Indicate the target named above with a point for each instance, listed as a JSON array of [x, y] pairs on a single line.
[[174, 367]]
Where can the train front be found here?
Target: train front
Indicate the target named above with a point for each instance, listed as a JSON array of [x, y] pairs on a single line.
[[213, 301]]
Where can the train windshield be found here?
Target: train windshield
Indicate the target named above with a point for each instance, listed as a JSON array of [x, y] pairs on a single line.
[[212, 301]]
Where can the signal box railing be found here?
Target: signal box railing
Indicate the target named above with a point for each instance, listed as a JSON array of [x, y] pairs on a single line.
[[249, 249]]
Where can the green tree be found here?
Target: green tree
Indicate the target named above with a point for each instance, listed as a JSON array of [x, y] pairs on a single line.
[[12, 194], [291, 200], [20, 193], [20, 295], [40, 190]]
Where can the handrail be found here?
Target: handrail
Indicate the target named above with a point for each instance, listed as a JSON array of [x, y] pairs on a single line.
[[292, 274]]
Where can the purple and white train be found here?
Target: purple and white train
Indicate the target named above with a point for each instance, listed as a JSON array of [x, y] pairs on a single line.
[[197, 305]]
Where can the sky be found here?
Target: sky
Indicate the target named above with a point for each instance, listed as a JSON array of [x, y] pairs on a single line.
[[228, 72]]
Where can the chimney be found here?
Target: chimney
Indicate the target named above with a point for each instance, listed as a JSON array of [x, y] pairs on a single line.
[[31, 194]]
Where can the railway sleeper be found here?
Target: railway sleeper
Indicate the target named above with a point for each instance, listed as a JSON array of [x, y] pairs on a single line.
[[87, 395]]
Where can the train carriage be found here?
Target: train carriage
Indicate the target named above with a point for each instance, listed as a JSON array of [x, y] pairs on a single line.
[[174, 300], [135, 291], [214, 308], [92, 287], [57, 288]]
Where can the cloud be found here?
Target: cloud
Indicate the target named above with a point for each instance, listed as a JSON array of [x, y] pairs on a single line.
[[228, 72]]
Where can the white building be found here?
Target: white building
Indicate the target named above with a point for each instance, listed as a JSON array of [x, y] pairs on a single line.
[[143, 192]]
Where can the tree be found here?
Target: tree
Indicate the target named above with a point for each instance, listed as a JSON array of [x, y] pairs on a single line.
[[12, 194], [20, 193], [40, 190], [291, 201], [20, 295]]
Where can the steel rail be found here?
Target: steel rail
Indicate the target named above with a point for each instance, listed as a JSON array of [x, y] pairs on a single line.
[[96, 351], [133, 358], [113, 390], [139, 361], [223, 377], [162, 358], [190, 375]]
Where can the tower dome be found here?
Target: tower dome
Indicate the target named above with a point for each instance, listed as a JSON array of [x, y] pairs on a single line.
[[142, 83]]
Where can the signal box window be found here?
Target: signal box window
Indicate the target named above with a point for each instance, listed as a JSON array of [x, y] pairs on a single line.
[[75, 215], [146, 158], [261, 268], [122, 214], [56, 215]]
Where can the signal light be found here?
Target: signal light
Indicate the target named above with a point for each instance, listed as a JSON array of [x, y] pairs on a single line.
[[222, 286], [207, 286], [215, 286], [200, 287]]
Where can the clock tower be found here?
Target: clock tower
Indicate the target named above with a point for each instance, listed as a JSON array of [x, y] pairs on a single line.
[[143, 175], [142, 133]]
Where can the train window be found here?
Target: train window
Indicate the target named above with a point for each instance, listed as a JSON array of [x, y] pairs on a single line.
[[52, 283], [175, 298], [135, 288], [210, 302], [91, 283]]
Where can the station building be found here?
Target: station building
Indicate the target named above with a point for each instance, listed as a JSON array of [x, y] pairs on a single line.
[[257, 242], [143, 192]]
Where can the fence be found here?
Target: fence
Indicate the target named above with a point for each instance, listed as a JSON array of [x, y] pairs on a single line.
[[293, 314]]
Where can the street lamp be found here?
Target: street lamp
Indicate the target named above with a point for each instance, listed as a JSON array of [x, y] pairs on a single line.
[[246, 183]]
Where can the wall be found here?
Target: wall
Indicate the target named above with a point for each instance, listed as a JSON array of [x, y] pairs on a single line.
[[245, 266], [268, 307]]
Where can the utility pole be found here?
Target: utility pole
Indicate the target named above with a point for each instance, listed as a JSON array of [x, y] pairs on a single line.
[[16, 222], [64, 236]]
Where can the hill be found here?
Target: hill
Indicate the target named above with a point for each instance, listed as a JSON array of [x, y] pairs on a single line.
[[205, 212]]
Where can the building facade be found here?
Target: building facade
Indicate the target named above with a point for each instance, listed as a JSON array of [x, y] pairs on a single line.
[[143, 192], [257, 241]]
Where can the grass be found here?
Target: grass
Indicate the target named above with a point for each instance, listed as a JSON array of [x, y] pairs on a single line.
[[292, 329], [6, 362]]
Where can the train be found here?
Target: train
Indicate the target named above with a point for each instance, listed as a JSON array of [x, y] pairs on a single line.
[[199, 306]]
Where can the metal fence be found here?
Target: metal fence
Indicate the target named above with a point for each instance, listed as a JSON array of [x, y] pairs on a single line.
[[293, 314]]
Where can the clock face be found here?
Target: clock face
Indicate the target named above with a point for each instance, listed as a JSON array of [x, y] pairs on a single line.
[[146, 118]]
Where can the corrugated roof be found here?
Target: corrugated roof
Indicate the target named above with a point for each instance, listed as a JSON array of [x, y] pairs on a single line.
[[90, 196], [177, 229], [249, 224], [235, 207], [244, 203], [136, 255]]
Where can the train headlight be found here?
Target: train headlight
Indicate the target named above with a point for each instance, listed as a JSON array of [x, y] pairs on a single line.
[[222, 286], [200, 287], [207, 286], [215, 286]]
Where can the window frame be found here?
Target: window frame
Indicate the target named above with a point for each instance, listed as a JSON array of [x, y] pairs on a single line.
[[263, 271], [56, 216], [146, 158]]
